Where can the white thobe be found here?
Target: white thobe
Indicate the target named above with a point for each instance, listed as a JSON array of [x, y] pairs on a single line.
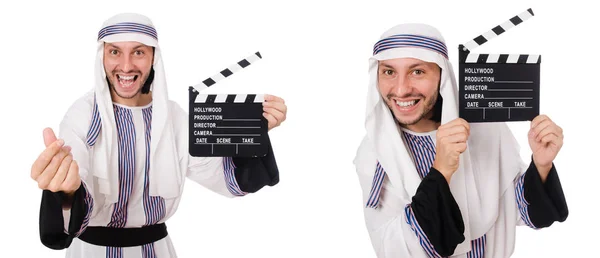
[[138, 208]]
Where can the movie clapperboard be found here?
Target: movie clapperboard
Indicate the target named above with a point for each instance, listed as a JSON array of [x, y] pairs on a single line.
[[498, 87], [227, 125]]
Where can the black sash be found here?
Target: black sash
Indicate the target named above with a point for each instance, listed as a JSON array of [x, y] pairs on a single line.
[[124, 237]]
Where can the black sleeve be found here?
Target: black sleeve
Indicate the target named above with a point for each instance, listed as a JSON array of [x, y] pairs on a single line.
[[254, 173], [438, 213], [52, 232], [547, 202]]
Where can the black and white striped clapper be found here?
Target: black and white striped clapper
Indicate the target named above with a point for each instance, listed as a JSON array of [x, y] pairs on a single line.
[[227, 125], [498, 87], [231, 69]]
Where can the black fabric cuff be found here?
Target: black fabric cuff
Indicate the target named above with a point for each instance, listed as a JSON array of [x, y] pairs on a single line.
[[52, 232], [438, 213], [547, 202], [252, 174]]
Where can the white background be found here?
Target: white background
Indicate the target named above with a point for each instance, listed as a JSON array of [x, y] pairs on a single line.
[[315, 57]]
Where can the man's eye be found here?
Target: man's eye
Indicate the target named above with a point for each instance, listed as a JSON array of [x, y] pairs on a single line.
[[114, 52], [138, 52], [388, 72], [418, 72]]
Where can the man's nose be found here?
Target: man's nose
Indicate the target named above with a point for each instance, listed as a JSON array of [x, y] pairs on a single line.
[[401, 86], [126, 63]]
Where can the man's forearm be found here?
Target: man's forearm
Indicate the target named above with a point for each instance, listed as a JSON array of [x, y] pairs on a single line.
[[547, 202], [437, 214]]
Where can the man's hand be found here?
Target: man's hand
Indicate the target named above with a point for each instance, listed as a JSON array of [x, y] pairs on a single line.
[[275, 110], [55, 169], [451, 141], [545, 140]]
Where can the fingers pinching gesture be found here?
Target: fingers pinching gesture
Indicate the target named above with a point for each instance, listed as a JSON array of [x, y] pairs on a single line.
[[55, 169]]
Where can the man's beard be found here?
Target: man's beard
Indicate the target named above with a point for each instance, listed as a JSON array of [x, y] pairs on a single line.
[[427, 111], [111, 87]]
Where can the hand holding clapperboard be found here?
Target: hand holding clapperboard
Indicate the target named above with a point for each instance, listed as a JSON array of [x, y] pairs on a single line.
[[506, 87], [226, 125]]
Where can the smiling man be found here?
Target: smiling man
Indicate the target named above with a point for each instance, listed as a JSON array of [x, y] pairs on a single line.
[[116, 173], [138, 64], [411, 107], [433, 184]]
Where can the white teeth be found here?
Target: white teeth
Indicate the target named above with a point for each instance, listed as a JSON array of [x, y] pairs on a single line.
[[406, 103], [126, 83], [121, 77]]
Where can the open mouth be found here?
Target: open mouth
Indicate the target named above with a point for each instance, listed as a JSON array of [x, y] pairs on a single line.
[[407, 104], [126, 80]]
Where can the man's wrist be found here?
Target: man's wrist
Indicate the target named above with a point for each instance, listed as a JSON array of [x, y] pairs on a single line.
[[444, 173], [543, 170], [67, 200]]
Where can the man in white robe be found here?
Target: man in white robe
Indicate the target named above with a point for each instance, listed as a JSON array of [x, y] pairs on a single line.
[[433, 184], [117, 170]]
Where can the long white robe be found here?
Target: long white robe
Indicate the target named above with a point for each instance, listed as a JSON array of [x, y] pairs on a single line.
[[487, 169], [207, 171], [390, 232]]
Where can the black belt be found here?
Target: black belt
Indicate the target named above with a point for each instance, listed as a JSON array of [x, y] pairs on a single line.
[[124, 237]]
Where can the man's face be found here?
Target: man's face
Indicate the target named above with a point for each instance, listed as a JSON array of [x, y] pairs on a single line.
[[410, 88], [127, 66]]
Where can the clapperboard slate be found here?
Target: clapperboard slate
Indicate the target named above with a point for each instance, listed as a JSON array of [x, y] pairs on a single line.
[[498, 87], [227, 125]]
